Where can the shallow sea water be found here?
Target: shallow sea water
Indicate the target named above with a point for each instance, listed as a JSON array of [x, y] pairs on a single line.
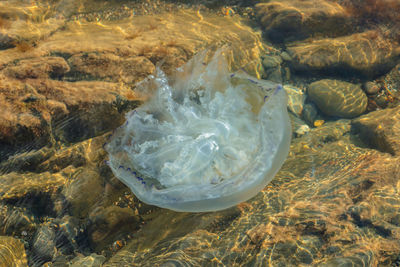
[[69, 72]]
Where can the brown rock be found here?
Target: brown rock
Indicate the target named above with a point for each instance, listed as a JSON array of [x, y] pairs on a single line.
[[18, 185], [367, 54], [338, 98], [37, 109], [110, 223], [288, 20], [381, 129], [43, 67], [84, 192], [111, 67], [34, 110]]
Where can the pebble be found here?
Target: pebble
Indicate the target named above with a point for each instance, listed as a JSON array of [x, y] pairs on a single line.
[[302, 130], [296, 98], [371, 88], [309, 113]]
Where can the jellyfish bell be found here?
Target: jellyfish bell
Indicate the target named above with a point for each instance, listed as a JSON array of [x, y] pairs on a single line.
[[206, 139]]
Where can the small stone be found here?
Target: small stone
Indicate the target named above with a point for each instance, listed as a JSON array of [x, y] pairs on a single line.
[[271, 61], [318, 123], [286, 73], [338, 98], [285, 56], [371, 88], [302, 130], [296, 98], [309, 113], [273, 74]]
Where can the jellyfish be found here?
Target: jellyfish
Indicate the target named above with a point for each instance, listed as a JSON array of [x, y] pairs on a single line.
[[206, 140]]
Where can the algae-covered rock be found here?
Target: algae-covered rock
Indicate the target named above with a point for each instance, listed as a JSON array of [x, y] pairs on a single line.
[[111, 67], [338, 98], [41, 67]]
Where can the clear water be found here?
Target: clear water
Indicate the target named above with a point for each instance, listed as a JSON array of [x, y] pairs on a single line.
[[71, 70]]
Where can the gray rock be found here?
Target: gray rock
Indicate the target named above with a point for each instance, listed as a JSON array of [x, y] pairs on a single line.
[[271, 61], [338, 98], [44, 247], [285, 56], [273, 74], [296, 98], [310, 113]]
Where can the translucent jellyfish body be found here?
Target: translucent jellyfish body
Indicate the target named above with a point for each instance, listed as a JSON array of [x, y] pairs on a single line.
[[206, 140]]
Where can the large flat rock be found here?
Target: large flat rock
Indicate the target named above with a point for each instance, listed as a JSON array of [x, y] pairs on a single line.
[[367, 54], [289, 20]]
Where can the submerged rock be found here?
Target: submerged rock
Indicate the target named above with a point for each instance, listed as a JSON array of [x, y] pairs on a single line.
[[93, 260], [12, 252], [371, 88], [40, 105], [338, 98], [289, 20], [107, 66], [42, 67], [367, 54], [380, 129], [296, 99]]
